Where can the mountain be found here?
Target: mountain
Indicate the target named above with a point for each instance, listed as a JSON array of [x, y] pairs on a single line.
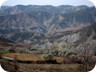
[[5, 40], [5, 10], [34, 24]]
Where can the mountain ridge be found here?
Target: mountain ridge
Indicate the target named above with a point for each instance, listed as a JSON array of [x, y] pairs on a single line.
[[38, 21]]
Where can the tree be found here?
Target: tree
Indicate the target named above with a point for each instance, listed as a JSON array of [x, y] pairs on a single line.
[[48, 57], [86, 50]]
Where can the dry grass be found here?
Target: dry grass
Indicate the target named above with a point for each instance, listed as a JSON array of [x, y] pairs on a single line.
[[50, 67], [31, 57], [25, 57], [59, 59], [23, 67]]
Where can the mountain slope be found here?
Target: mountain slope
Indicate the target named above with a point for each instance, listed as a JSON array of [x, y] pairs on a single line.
[[5, 10], [33, 23]]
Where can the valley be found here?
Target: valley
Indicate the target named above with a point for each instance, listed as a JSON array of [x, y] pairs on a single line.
[[60, 38]]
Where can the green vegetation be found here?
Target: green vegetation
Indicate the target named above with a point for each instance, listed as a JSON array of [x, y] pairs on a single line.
[[70, 54], [4, 51], [48, 57]]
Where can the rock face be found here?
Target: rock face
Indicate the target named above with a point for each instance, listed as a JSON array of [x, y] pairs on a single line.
[[42, 24]]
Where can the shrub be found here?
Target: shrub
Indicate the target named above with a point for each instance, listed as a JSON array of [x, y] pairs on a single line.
[[70, 54], [62, 53], [4, 51], [48, 57], [12, 50]]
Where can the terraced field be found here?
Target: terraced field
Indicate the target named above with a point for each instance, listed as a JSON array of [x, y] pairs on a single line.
[[37, 63]]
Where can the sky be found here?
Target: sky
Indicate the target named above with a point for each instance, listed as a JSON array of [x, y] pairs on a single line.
[[48, 2]]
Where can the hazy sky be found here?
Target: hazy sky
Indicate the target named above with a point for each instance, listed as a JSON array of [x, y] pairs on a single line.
[[48, 2]]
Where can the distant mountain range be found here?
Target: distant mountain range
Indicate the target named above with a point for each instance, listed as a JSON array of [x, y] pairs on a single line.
[[34, 24], [5, 10]]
